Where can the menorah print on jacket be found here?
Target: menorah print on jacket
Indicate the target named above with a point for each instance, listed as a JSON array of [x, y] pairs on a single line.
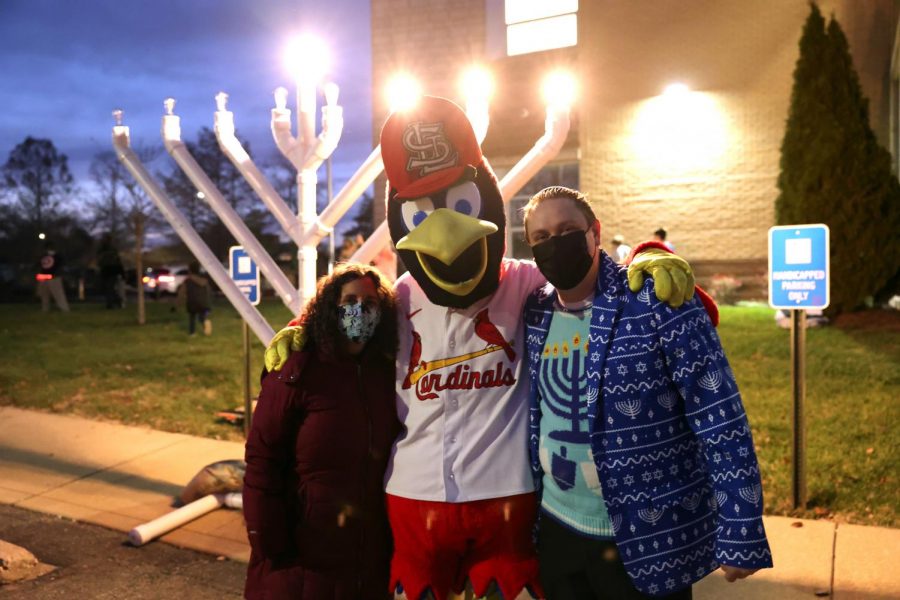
[[670, 441]]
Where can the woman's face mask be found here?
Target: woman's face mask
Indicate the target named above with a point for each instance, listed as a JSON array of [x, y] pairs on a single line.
[[357, 321]]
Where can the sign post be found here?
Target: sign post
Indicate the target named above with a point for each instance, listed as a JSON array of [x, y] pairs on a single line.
[[798, 280], [245, 274]]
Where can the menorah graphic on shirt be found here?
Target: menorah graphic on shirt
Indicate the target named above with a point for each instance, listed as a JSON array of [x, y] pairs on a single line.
[[564, 390]]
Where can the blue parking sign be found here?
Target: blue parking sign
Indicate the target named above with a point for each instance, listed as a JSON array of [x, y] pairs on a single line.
[[798, 266], [244, 273]]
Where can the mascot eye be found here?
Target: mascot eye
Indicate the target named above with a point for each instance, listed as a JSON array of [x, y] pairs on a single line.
[[416, 211], [465, 199]]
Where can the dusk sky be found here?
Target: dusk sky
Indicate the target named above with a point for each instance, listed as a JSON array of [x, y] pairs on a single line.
[[65, 65]]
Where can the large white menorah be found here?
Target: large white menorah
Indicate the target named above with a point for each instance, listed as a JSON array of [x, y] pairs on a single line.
[[306, 152]]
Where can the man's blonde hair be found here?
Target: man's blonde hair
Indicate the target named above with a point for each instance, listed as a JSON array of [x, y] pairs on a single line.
[[557, 191]]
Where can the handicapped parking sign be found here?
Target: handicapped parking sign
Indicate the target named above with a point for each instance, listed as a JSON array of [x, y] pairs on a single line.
[[244, 273], [799, 266]]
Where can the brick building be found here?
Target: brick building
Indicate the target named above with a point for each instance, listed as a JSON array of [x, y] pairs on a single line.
[[701, 162]]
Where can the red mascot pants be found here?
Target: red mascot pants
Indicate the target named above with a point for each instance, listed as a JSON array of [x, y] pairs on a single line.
[[438, 544]]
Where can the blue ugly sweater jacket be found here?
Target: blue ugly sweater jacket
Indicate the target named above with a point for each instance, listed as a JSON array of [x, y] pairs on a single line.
[[668, 433]]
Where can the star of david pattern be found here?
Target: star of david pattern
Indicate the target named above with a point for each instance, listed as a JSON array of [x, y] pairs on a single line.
[[669, 436]]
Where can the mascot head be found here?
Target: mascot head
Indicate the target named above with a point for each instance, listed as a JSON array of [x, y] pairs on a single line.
[[444, 207]]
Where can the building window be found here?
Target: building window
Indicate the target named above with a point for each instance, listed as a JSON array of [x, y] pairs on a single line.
[[537, 25], [565, 174]]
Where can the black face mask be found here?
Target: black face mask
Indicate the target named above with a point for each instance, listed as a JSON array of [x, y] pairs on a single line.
[[564, 259]]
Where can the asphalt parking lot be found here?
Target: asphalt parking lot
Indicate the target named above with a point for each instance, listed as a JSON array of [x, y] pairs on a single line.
[[96, 563]]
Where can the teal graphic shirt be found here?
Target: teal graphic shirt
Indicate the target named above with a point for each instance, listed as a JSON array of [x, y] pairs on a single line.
[[572, 493]]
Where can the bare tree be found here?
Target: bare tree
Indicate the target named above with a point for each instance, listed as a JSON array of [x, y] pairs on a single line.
[[123, 206]]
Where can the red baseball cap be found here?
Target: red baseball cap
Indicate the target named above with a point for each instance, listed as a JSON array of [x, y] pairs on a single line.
[[427, 148]]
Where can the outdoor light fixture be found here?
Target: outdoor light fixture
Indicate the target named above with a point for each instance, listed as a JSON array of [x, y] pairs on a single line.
[[403, 92], [201, 195], [559, 90], [674, 90], [679, 132], [41, 236]]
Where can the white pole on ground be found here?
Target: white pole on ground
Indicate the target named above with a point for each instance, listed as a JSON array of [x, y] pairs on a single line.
[[151, 530]]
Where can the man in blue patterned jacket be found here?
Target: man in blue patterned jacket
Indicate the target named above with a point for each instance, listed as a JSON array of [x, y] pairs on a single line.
[[639, 439]]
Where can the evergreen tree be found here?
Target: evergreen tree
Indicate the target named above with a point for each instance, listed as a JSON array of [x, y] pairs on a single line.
[[833, 171]]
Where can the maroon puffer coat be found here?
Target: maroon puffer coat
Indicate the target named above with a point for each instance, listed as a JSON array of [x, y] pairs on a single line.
[[313, 492]]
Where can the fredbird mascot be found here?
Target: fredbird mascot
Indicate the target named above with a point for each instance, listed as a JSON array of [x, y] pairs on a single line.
[[460, 493]]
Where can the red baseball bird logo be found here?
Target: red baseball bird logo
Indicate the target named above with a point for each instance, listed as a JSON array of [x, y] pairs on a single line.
[[489, 333], [415, 356], [421, 373]]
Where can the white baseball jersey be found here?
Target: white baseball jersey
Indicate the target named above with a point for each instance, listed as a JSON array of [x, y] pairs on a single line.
[[462, 393]]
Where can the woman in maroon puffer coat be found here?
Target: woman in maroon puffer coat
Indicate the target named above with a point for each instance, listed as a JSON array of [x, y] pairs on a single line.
[[318, 449]]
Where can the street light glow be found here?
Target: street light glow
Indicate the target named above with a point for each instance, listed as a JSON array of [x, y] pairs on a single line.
[[559, 89], [306, 57], [41, 236], [403, 92]]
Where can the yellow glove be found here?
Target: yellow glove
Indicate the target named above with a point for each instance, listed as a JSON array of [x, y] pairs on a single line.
[[672, 274], [289, 339]]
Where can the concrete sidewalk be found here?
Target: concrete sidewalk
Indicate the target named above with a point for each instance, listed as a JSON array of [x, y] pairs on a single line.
[[112, 475], [119, 476]]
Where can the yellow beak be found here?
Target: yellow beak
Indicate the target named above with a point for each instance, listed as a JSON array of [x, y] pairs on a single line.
[[445, 235]]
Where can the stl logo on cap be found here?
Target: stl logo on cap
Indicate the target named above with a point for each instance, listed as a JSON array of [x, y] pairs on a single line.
[[427, 148]]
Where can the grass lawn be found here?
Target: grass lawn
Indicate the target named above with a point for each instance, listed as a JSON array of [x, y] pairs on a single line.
[[99, 364], [852, 411]]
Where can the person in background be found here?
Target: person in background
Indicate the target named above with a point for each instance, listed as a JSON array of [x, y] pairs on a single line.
[[318, 448], [49, 279], [195, 294], [111, 272], [660, 236], [621, 248], [640, 446]]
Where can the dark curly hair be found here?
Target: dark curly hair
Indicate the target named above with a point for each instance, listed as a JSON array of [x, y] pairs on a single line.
[[321, 315]]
